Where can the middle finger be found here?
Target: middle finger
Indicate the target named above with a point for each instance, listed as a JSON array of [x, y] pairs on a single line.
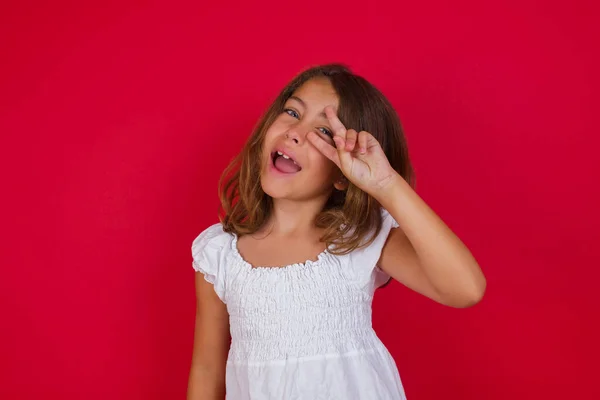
[[336, 125]]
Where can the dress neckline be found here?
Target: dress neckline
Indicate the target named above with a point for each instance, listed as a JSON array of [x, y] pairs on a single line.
[[299, 265]]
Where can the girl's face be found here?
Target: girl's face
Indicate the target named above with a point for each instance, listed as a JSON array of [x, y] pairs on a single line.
[[292, 167]]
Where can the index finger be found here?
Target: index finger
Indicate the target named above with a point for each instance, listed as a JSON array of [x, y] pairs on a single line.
[[325, 148], [336, 125]]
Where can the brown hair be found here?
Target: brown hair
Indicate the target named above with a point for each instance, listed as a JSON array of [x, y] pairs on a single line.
[[348, 215]]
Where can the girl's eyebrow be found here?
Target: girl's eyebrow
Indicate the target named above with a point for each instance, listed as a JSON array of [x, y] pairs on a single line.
[[299, 100]]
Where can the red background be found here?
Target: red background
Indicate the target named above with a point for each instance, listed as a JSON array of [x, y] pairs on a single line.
[[116, 119]]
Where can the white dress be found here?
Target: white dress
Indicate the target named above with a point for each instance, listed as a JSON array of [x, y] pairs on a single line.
[[301, 332]]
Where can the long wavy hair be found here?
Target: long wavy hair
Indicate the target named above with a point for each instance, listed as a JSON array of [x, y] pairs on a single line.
[[349, 216]]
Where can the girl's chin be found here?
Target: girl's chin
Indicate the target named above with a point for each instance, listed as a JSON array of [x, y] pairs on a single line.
[[277, 188], [281, 189]]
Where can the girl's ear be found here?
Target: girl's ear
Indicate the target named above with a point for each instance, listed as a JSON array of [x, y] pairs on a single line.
[[341, 183]]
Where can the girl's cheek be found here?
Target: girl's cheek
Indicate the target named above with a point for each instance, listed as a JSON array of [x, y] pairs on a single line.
[[321, 160]]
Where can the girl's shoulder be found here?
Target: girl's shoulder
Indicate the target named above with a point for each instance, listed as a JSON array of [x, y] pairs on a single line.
[[212, 238], [388, 220], [208, 251], [387, 224], [211, 232], [366, 258]]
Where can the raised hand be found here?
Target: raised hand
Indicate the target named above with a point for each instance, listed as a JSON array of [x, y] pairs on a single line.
[[358, 155]]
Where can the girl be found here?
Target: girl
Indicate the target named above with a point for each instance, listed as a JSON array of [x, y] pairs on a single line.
[[319, 211]]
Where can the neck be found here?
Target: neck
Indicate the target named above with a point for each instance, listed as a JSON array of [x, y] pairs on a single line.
[[290, 217]]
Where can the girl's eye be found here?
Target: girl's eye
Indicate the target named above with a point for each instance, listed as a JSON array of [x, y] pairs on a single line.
[[326, 132], [291, 112]]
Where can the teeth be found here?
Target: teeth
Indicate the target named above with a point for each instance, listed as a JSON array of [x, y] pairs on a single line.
[[286, 157]]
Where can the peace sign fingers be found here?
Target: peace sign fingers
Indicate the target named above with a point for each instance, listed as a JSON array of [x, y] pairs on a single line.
[[339, 136]]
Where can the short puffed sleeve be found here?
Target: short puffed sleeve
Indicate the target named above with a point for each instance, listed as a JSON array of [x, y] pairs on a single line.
[[365, 260], [208, 253]]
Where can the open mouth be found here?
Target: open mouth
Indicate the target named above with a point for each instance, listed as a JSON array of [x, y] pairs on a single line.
[[284, 163]]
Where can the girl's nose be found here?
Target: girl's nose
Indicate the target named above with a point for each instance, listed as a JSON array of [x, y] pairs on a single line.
[[296, 134], [293, 137]]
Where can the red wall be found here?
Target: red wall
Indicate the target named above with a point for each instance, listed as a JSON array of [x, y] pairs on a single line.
[[116, 119]]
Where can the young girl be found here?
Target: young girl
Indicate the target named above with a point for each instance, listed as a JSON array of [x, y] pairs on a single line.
[[319, 211]]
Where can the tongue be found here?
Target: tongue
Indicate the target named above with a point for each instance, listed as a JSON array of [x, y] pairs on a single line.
[[286, 165]]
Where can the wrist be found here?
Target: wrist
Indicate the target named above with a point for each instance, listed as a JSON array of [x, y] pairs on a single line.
[[389, 189]]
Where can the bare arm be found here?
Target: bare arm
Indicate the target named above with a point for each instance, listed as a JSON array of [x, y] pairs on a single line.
[[211, 344], [425, 255]]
